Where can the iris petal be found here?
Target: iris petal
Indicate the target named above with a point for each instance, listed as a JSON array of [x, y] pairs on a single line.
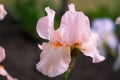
[[54, 60], [2, 12], [3, 72], [74, 26], [90, 48], [45, 25], [2, 54]]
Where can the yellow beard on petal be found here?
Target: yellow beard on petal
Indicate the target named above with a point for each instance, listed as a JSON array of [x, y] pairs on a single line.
[[57, 44], [1, 66]]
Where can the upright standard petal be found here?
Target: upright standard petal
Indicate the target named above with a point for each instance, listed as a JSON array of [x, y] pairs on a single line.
[[3, 12], [71, 7], [55, 59], [89, 48], [2, 54], [45, 25], [74, 26]]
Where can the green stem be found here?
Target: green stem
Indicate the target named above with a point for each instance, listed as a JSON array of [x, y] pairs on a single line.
[[74, 54]]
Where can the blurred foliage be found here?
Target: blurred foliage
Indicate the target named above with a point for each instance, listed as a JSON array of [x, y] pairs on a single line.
[[27, 12], [99, 8], [110, 9], [117, 30]]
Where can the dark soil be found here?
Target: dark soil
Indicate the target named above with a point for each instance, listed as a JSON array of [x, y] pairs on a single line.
[[22, 54]]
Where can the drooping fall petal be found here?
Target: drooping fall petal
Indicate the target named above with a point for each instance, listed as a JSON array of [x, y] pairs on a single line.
[[45, 25], [90, 48], [55, 59], [2, 54], [2, 12]]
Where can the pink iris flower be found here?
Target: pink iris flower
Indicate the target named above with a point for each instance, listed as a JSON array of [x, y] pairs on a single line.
[[3, 72], [74, 32], [2, 12]]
